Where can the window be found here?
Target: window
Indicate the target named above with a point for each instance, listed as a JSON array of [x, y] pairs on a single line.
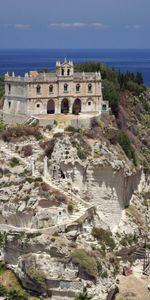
[[89, 103], [104, 107], [65, 87], [78, 87], [51, 89], [38, 89], [9, 88], [38, 105], [90, 88], [68, 72], [62, 72], [9, 104]]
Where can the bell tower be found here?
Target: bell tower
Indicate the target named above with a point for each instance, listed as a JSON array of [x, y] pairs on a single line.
[[65, 69]]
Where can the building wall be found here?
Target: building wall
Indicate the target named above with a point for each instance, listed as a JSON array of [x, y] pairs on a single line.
[[21, 95]]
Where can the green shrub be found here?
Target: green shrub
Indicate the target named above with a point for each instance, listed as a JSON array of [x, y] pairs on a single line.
[[83, 296], [104, 236], [20, 131], [37, 276], [85, 262], [70, 128], [128, 239], [2, 125], [55, 122], [3, 290], [16, 294], [80, 151], [14, 162], [104, 275], [81, 154], [99, 267], [1, 241], [70, 207], [49, 127]]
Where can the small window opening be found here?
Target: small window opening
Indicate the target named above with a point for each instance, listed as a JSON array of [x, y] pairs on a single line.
[[65, 87], [68, 72], [90, 87], [9, 88], [38, 105], [78, 88], [62, 72], [51, 89], [38, 90], [89, 103], [9, 104], [60, 213], [104, 107]]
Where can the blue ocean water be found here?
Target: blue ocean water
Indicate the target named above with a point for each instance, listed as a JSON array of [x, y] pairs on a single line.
[[21, 61]]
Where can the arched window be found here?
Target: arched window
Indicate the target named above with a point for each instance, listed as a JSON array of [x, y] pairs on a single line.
[[51, 89], [78, 87], [62, 72], [38, 89], [68, 72], [65, 87], [90, 88]]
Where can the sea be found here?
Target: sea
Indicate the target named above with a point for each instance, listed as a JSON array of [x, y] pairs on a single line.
[[22, 61]]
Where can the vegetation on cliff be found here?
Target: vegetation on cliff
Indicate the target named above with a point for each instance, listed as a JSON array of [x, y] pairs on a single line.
[[130, 104], [114, 82]]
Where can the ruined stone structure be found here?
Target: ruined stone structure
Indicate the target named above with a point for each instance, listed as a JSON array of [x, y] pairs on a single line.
[[54, 93]]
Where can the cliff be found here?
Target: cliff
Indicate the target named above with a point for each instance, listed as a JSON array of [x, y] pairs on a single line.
[[75, 203]]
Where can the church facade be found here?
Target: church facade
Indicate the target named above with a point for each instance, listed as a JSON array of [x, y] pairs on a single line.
[[64, 91]]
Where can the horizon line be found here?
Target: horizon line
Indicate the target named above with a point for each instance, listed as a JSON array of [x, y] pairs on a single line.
[[74, 48]]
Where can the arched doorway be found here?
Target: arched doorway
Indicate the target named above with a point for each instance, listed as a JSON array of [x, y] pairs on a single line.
[[64, 106], [76, 109], [50, 107]]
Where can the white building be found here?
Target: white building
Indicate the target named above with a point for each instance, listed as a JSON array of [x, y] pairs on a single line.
[[54, 93]]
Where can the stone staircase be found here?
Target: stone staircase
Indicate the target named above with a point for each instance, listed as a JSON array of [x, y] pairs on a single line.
[[140, 253], [80, 210]]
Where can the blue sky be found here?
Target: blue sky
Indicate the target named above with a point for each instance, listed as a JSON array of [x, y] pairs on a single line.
[[74, 24]]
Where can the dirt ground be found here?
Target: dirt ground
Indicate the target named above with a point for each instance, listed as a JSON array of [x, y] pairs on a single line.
[[134, 287]]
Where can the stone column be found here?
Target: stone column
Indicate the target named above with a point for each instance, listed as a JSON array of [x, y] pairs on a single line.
[[57, 106], [45, 166], [33, 166], [70, 106]]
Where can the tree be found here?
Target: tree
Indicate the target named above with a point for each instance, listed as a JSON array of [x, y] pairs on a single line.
[[139, 78], [83, 296], [111, 94]]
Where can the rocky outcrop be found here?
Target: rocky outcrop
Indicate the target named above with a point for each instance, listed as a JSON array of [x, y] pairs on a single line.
[[106, 182]]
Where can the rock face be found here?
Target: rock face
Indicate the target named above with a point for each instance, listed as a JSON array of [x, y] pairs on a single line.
[[106, 182], [49, 208]]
